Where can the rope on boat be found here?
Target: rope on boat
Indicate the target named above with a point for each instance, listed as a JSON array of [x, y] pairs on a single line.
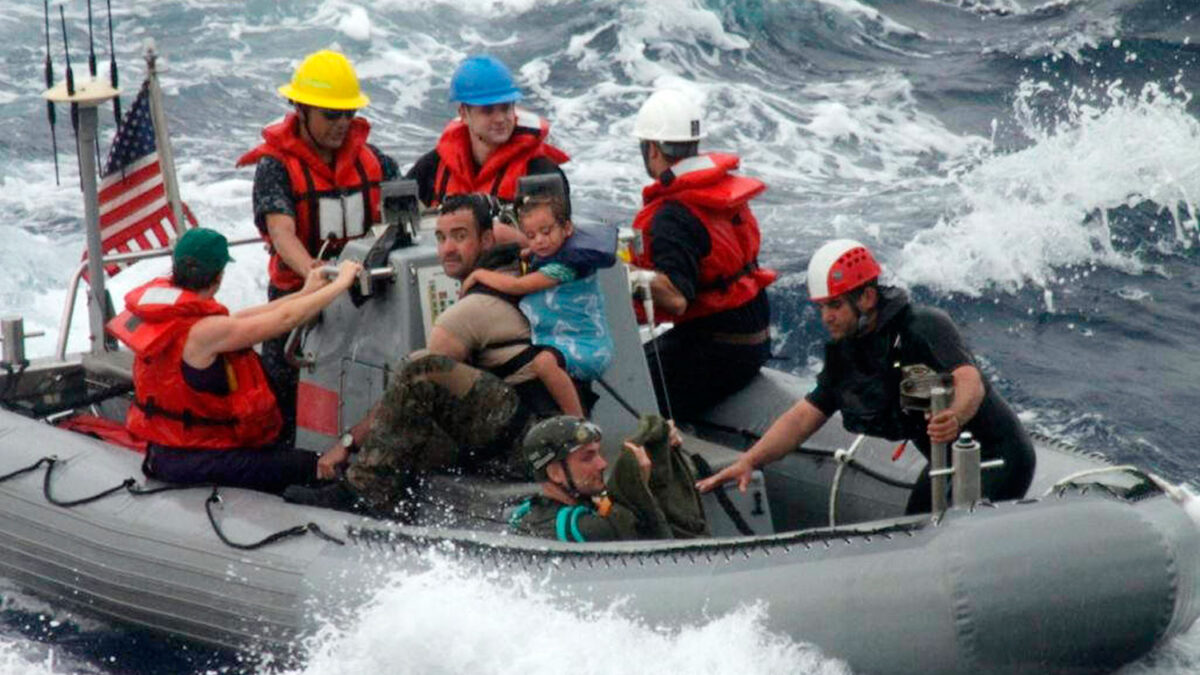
[[705, 470], [843, 458], [131, 486], [298, 531]]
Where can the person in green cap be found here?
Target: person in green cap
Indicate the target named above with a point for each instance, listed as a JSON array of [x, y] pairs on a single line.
[[201, 398], [650, 494]]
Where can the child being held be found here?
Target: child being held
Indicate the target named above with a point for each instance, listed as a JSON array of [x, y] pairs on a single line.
[[561, 296]]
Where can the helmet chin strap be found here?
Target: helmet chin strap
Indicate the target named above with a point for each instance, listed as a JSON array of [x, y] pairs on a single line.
[[570, 488]]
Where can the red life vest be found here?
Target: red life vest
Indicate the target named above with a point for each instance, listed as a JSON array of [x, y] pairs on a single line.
[[457, 174], [334, 204], [729, 275], [166, 410]]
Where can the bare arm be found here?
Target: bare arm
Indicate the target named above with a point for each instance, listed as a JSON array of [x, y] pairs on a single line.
[[507, 234], [315, 280], [790, 430], [443, 342], [666, 297], [282, 229], [945, 426], [338, 454], [215, 335], [506, 283]]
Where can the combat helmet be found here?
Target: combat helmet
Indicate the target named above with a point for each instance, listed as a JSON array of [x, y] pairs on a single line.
[[554, 439]]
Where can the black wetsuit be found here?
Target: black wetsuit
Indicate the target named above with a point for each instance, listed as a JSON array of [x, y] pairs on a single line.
[[862, 380]]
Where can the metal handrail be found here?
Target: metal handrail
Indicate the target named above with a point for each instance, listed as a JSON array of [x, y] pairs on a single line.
[[64, 324]]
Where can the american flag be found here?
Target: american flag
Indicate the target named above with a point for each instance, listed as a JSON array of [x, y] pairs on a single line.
[[134, 212]]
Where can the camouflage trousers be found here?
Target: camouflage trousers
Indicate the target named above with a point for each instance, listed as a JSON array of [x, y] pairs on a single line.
[[438, 414]]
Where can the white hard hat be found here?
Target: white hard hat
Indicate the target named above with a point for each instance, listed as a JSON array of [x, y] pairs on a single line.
[[669, 115], [839, 267]]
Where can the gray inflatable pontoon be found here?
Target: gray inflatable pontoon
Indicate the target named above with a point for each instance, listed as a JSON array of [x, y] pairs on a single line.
[[1093, 572]]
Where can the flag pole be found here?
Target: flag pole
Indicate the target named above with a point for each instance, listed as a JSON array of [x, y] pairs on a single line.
[[166, 160]]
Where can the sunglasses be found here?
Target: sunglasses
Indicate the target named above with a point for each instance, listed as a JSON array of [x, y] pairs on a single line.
[[335, 115], [494, 107]]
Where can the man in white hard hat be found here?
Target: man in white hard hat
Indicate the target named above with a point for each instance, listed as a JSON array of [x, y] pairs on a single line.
[[697, 233], [877, 333]]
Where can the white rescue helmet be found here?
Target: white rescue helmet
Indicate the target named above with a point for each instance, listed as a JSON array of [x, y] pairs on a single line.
[[838, 267], [669, 115]]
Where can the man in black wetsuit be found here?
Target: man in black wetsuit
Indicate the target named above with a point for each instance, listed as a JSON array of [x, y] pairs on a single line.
[[875, 331]]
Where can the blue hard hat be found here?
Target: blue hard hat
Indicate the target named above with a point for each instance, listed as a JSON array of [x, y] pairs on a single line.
[[483, 80]]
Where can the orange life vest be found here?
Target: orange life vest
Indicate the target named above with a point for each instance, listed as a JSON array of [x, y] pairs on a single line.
[[729, 275], [166, 410], [457, 173], [333, 204]]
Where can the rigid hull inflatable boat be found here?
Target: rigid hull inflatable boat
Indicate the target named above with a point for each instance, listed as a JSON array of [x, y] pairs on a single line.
[[1093, 574]]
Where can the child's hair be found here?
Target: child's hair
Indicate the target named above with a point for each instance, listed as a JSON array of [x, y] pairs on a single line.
[[557, 203]]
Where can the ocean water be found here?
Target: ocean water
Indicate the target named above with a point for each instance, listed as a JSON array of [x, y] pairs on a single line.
[[1030, 166]]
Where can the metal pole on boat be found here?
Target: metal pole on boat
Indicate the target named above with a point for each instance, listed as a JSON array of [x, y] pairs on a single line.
[[86, 98], [939, 400], [968, 485], [166, 159]]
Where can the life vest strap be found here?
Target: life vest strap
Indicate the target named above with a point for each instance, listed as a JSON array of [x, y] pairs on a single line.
[[187, 418], [723, 283]]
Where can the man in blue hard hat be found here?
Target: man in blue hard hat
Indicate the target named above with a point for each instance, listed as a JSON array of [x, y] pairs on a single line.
[[492, 144]]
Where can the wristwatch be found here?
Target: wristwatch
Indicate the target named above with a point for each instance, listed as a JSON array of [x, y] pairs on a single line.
[[348, 443]]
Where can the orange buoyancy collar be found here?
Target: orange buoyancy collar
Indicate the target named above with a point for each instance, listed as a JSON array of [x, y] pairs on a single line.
[[729, 276], [333, 203], [458, 174], [166, 410]]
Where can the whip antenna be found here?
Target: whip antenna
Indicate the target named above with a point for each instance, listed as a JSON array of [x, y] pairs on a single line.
[[91, 44], [92, 66], [112, 67], [62, 15], [50, 114]]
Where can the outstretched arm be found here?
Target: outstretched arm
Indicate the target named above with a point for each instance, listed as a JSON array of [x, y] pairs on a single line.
[[219, 334], [790, 430]]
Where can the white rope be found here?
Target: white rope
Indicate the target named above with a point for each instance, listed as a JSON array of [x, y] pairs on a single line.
[[1124, 468], [842, 457]]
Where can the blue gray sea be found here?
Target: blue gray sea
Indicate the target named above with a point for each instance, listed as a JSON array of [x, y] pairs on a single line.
[[1030, 166]]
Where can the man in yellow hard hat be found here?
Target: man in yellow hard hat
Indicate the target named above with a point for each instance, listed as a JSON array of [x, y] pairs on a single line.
[[316, 187]]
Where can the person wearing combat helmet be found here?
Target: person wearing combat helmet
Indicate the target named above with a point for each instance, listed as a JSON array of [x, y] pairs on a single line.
[[876, 333], [697, 233], [316, 186], [491, 144], [649, 496]]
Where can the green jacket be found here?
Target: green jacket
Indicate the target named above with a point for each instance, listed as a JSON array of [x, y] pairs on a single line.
[[541, 516], [665, 507]]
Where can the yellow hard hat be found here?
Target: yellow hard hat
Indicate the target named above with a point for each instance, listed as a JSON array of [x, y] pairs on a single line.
[[325, 79]]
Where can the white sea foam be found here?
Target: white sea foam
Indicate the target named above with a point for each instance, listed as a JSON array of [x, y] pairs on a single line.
[[448, 621], [1024, 217]]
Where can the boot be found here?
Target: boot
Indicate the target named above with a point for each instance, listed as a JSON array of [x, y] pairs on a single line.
[[337, 496]]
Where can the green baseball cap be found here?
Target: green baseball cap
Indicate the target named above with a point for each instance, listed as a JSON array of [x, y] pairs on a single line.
[[208, 249]]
